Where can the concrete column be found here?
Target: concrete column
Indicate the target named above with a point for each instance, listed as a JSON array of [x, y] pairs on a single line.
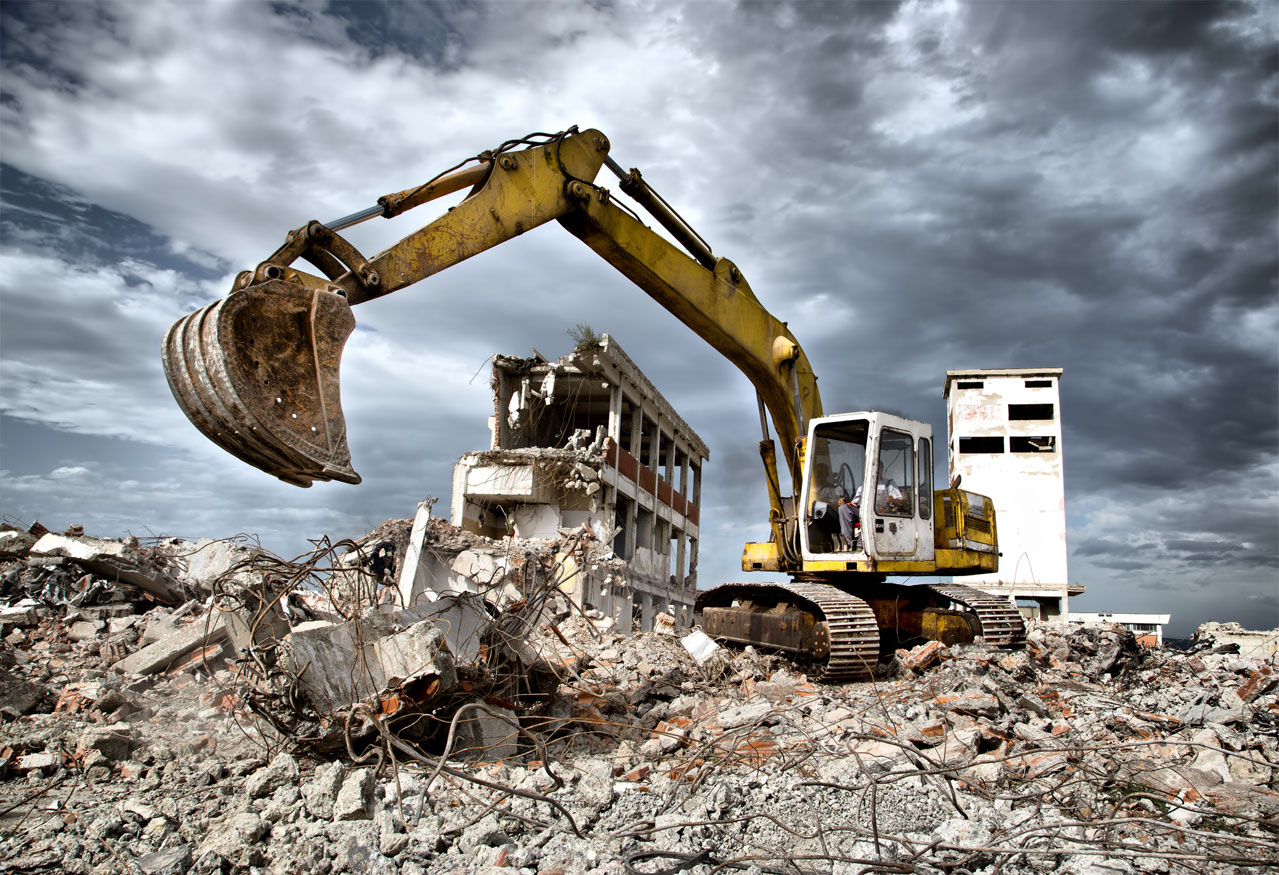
[[680, 555], [631, 525], [637, 427], [615, 414], [647, 610], [413, 573], [668, 473], [692, 562]]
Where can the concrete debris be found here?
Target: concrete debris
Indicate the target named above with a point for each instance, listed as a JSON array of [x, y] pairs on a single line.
[[211, 629], [1234, 638], [116, 561], [479, 731]]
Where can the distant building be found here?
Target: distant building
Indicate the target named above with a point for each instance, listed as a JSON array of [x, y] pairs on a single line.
[[1004, 428], [587, 440], [1149, 628]]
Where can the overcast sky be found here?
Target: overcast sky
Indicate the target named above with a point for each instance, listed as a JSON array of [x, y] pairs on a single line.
[[914, 187]]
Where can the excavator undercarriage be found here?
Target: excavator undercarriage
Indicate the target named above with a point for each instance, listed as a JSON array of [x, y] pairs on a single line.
[[842, 636]]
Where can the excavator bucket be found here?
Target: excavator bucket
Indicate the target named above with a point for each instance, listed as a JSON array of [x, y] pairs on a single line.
[[257, 372]]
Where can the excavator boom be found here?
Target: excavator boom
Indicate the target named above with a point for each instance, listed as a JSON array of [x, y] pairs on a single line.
[[258, 371]]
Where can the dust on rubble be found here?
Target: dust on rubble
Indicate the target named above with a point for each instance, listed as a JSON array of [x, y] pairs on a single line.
[[210, 707]]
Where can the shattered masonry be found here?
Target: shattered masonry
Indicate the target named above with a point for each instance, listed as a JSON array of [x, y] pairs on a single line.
[[138, 737], [588, 441]]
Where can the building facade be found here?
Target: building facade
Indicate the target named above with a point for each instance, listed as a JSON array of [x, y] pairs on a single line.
[[588, 441], [1005, 433]]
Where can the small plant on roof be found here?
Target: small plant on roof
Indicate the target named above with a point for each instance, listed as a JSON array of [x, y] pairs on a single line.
[[584, 337]]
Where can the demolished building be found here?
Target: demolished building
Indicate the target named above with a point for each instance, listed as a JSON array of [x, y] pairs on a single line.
[[1081, 753], [588, 441]]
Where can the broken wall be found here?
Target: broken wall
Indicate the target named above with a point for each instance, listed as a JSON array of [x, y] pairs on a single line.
[[587, 442]]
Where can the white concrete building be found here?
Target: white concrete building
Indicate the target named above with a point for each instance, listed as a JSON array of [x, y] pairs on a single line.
[[1004, 427], [588, 440], [1149, 628]]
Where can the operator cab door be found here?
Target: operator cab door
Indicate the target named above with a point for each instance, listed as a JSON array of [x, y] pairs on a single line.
[[882, 464]]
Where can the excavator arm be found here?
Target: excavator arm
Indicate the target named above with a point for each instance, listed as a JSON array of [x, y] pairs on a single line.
[[258, 371]]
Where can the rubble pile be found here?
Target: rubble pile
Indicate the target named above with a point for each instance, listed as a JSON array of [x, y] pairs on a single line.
[[318, 720]]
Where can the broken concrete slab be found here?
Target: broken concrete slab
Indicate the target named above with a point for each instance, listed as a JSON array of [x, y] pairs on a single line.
[[114, 560], [202, 632], [25, 613]]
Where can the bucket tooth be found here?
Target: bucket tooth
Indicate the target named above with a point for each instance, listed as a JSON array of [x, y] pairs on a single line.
[[258, 373]]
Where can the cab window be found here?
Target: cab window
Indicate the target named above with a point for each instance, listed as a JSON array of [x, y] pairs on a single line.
[[836, 460], [895, 488], [925, 478]]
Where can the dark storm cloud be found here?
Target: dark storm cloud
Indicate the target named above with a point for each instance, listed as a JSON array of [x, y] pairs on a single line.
[[434, 33], [36, 213], [914, 187]]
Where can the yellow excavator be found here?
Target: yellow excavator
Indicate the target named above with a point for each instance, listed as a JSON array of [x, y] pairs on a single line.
[[258, 373]]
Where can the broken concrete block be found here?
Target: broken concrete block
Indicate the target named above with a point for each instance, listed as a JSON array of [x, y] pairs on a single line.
[[699, 645], [206, 560], [971, 702], [419, 652], [283, 771], [331, 668], [319, 793], [487, 735], [20, 696], [33, 762], [15, 543], [745, 715], [355, 799], [158, 625], [238, 839], [1033, 704], [414, 574], [113, 743], [464, 620], [115, 561], [85, 630], [172, 861], [207, 630]]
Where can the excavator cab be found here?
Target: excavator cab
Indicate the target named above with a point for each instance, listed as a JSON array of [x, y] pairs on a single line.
[[868, 487]]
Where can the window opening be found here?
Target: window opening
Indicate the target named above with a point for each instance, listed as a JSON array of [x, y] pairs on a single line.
[[973, 445], [836, 459], [925, 479], [644, 529], [1030, 411], [1039, 384], [895, 483], [621, 513], [972, 384], [1044, 444]]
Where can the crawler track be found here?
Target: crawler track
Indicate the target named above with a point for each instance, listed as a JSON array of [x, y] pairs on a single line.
[[848, 622], [1001, 622]]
